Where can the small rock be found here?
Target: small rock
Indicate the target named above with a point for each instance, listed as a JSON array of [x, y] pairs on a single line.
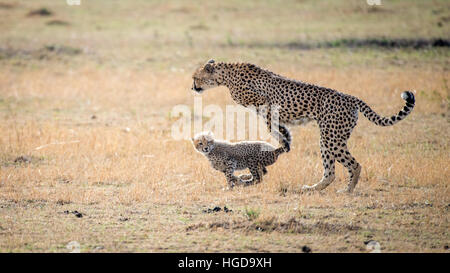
[[124, 219], [306, 249], [40, 12], [446, 247], [93, 117], [217, 209], [77, 214], [23, 159], [62, 202], [373, 246], [57, 23]]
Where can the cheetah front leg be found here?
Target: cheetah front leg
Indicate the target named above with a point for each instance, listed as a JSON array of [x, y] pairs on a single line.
[[287, 139], [278, 131]]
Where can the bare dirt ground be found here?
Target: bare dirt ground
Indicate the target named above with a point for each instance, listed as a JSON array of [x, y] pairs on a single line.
[[86, 152]]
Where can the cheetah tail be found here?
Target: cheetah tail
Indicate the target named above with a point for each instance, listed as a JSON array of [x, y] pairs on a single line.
[[387, 121]]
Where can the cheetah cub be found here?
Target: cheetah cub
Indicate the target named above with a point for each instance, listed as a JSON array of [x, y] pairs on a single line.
[[228, 157]]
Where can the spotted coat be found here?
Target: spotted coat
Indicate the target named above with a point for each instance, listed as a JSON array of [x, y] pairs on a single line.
[[229, 157], [298, 102]]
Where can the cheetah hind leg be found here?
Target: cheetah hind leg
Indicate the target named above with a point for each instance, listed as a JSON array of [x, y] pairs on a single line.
[[353, 167], [328, 161], [353, 180]]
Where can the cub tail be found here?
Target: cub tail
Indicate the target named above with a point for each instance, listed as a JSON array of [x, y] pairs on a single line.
[[279, 151]]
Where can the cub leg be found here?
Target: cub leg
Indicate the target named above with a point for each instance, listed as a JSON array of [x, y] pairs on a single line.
[[232, 180], [257, 173], [245, 177]]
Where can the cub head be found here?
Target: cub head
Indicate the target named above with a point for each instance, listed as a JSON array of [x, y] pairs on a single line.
[[206, 77], [204, 142]]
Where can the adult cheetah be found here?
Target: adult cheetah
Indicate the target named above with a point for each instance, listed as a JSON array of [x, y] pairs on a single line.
[[295, 101]]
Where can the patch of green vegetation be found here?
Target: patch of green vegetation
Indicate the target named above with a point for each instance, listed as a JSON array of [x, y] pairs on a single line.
[[252, 213]]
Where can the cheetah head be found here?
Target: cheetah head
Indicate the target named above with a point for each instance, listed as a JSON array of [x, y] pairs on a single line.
[[204, 142], [205, 77]]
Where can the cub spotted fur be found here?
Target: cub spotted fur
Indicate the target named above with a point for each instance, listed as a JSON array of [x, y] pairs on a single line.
[[228, 157]]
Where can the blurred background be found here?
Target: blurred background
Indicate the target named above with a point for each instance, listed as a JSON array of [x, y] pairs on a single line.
[[179, 34]]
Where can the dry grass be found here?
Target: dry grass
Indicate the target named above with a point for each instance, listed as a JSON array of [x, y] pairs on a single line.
[[98, 136]]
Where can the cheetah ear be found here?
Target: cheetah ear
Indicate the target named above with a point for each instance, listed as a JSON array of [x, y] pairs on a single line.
[[211, 61], [209, 67], [192, 139]]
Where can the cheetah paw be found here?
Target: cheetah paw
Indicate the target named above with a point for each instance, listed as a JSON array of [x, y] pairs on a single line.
[[344, 191]]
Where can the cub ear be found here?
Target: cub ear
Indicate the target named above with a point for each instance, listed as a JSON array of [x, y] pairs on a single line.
[[209, 68]]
